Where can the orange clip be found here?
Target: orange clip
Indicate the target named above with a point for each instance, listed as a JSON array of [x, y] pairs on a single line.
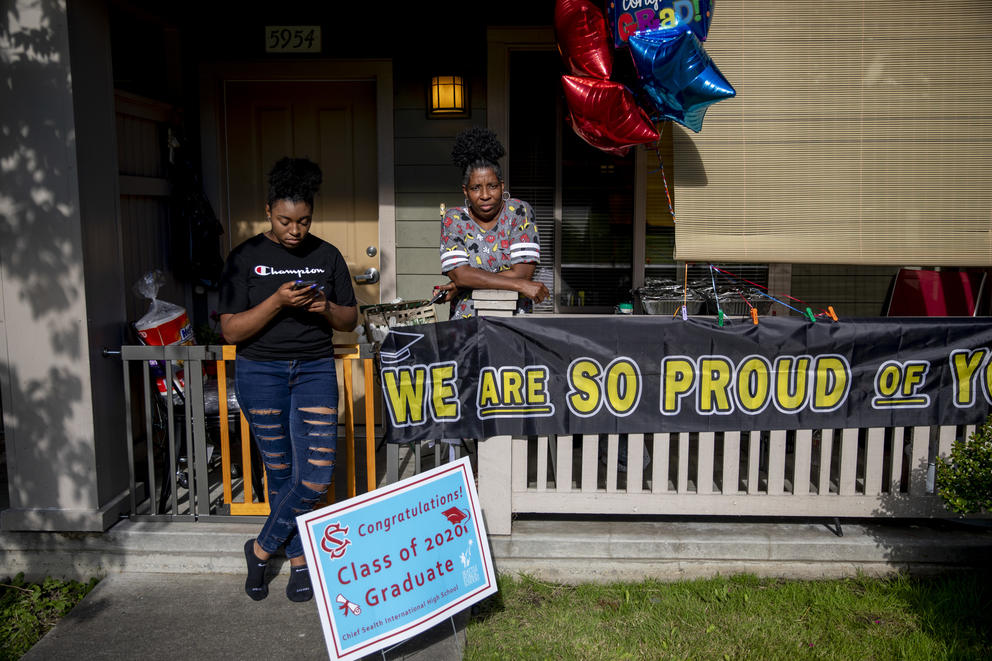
[[830, 311], [754, 315]]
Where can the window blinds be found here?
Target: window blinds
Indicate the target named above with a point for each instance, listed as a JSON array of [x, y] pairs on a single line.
[[861, 134]]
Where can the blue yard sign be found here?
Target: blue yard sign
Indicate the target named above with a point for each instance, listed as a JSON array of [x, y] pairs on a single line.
[[396, 561]]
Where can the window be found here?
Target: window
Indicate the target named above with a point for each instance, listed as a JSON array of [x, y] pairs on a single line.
[[593, 252], [586, 257]]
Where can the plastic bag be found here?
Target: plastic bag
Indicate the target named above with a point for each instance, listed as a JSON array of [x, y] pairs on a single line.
[[164, 324]]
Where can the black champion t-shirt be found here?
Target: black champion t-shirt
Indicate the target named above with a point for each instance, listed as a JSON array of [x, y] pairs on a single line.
[[258, 267]]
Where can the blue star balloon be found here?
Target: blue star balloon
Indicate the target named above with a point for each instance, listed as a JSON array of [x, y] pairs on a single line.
[[677, 75]]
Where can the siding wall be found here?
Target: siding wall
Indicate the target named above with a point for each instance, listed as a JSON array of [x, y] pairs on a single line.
[[425, 178]]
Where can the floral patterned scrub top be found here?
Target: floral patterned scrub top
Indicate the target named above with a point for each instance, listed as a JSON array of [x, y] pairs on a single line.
[[512, 240]]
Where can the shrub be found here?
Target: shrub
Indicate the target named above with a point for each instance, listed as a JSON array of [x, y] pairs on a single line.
[[964, 480], [29, 610]]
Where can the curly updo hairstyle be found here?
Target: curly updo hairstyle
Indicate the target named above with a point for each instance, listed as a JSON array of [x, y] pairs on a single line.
[[295, 180], [477, 148]]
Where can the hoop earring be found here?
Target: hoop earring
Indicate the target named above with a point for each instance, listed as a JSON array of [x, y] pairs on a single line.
[[465, 200], [506, 195]]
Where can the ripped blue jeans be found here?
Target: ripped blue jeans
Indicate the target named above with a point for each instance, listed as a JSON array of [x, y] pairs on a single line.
[[291, 406]]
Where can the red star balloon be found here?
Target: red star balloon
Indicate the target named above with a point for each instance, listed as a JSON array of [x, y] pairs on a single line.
[[605, 114], [583, 39]]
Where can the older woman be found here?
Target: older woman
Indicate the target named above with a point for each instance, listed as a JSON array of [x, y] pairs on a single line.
[[282, 295], [491, 242]]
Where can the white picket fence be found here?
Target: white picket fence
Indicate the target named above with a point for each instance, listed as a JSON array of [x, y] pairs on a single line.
[[879, 472]]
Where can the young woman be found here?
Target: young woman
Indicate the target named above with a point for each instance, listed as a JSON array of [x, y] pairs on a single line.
[[492, 241], [282, 295]]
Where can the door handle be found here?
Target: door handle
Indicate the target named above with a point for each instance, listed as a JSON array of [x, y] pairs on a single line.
[[370, 277]]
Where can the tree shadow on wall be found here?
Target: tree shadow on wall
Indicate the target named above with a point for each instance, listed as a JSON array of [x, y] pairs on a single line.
[[40, 256]]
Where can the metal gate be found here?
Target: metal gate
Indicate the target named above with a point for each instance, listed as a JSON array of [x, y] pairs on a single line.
[[189, 447]]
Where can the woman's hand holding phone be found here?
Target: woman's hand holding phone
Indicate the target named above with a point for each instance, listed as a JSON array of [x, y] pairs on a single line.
[[297, 293], [318, 303]]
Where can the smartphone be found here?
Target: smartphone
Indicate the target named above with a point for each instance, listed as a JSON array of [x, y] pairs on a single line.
[[439, 296], [304, 284]]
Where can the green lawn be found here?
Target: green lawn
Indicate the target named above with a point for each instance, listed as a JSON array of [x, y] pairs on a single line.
[[29, 610], [741, 617]]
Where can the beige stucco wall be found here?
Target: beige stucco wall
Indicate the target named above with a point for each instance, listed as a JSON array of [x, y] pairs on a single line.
[[60, 291]]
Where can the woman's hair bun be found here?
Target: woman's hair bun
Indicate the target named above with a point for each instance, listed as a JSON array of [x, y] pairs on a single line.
[[294, 179], [474, 145]]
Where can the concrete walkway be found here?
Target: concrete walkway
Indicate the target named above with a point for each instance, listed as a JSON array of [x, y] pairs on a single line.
[[174, 590], [170, 617]]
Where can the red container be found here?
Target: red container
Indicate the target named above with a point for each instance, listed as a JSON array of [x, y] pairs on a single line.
[[175, 329]]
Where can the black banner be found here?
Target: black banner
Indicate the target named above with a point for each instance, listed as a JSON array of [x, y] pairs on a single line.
[[490, 376]]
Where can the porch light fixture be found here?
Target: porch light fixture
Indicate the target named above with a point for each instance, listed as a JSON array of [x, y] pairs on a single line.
[[447, 97]]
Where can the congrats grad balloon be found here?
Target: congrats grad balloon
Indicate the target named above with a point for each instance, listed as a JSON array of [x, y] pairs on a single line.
[[629, 17], [677, 75]]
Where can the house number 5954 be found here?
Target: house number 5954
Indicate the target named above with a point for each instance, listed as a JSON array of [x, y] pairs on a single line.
[[292, 39]]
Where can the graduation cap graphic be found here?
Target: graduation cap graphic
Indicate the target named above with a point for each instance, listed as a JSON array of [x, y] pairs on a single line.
[[401, 347], [455, 515]]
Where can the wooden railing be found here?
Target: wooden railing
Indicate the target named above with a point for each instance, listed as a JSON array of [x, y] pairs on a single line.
[[877, 472], [802, 473], [346, 355]]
